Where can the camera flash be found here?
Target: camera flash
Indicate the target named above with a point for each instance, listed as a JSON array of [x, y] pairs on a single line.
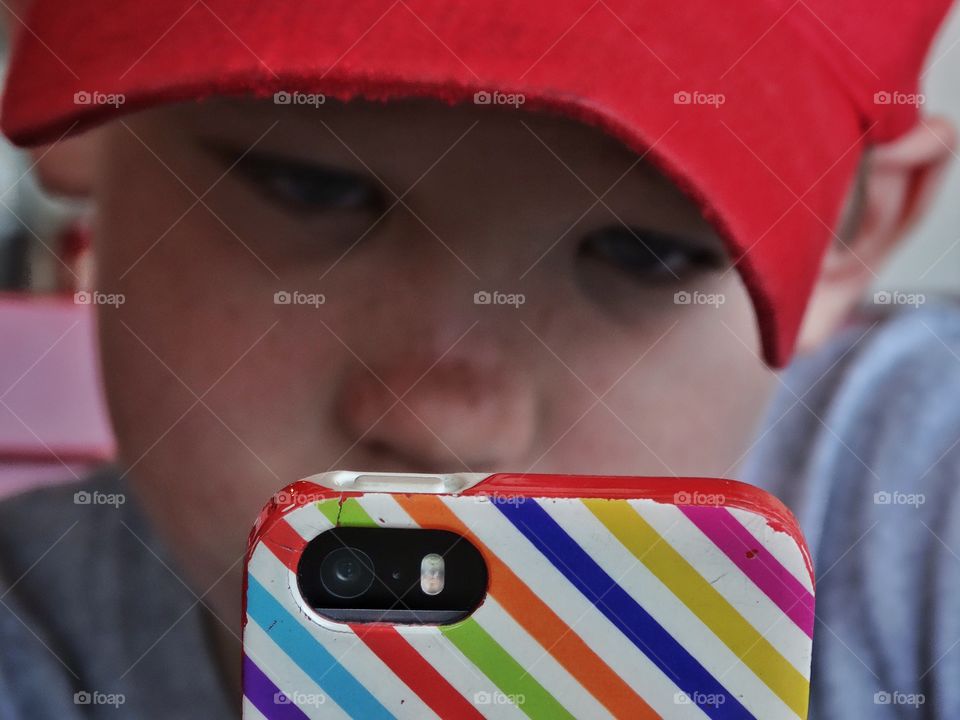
[[431, 574]]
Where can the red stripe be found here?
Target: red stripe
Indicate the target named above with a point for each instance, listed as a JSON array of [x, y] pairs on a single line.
[[419, 675], [285, 543]]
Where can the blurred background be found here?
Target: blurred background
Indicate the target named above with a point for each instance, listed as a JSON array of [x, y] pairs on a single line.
[[930, 262]]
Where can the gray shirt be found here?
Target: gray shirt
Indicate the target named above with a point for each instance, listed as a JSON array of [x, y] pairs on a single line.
[[862, 443], [93, 624]]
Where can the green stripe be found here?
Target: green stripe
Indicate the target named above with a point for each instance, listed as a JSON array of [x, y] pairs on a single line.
[[505, 672], [330, 509], [351, 514]]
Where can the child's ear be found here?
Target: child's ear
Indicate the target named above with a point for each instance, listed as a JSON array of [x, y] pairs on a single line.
[[65, 168], [898, 181]]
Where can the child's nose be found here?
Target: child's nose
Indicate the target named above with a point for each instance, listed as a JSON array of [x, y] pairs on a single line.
[[454, 415]]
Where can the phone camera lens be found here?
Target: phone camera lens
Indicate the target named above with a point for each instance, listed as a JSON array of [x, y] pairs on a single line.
[[347, 572]]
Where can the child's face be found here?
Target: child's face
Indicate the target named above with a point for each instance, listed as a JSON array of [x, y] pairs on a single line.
[[220, 396]]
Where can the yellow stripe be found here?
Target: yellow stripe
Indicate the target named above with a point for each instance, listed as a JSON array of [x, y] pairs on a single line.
[[640, 538]]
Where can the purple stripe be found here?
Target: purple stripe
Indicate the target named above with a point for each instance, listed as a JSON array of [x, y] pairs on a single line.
[[266, 696], [757, 563], [621, 609]]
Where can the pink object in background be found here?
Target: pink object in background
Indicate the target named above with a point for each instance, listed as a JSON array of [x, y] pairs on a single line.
[[53, 419]]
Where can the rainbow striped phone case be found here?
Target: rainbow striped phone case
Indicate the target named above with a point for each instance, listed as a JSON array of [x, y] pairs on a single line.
[[608, 597]]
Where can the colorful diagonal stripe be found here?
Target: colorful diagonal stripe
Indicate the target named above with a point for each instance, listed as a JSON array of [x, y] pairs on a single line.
[[285, 543], [756, 562], [384, 640], [416, 673], [714, 610], [480, 647], [314, 659], [260, 690], [507, 633], [505, 672], [620, 608], [331, 509], [536, 617]]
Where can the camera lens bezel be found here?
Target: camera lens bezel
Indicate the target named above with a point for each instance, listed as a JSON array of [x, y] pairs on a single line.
[[394, 593], [335, 583]]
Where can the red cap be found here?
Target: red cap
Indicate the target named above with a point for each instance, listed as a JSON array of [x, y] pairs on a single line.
[[759, 109]]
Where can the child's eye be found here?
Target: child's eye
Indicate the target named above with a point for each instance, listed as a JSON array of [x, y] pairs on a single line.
[[307, 188], [647, 254]]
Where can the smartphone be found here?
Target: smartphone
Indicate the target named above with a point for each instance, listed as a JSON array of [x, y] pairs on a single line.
[[472, 595]]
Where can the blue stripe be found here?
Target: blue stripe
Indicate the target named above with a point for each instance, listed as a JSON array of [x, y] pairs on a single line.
[[622, 610], [314, 659]]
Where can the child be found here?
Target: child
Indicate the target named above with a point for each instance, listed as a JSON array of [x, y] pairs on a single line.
[[575, 238]]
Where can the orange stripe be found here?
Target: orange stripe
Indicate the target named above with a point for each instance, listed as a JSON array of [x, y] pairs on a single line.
[[537, 618]]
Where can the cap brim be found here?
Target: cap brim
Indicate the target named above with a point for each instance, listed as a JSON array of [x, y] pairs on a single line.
[[767, 145]]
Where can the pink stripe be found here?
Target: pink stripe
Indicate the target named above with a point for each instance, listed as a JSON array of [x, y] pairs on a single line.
[[757, 563]]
